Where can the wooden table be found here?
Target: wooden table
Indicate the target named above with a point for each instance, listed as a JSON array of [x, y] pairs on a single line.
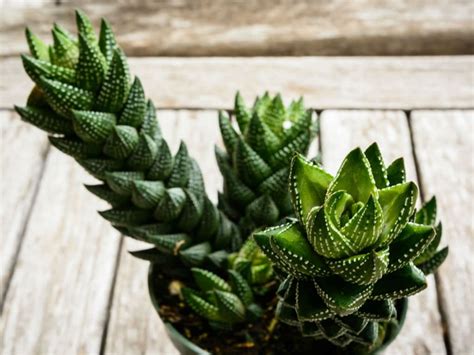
[[67, 282]]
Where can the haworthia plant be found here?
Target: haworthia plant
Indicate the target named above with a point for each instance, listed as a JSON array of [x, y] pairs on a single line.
[[85, 98], [255, 162], [356, 246], [222, 303]]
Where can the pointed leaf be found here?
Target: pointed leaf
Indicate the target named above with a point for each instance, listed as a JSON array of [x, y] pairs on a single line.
[[242, 115], [292, 246], [382, 310], [103, 192], [150, 124], [64, 98], [427, 214], [93, 127], [231, 308], [122, 142], [107, 43], [91, 66], [208, 281], [147, 194], [229, 135], [168, 243], [355, 177], [135, 108], [309, 306], [398, 203], [396, 172], [122, 182], [45, 119], [75, 148], [410, 243], [114, 91], [126, 217], [181, 168], [64, 51], [434, 262], [196, 254], [401, 283], [36, 68], [144, 154], [38, 48], [84, 27], [342, 297], [263, 211], [377, 165], [163, 163], [98, 167], [200, 305], [171, 205], [252, 169], [241, 287], [308, 185]]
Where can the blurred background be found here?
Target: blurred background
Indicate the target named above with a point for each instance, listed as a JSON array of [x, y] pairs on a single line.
[[399, 72]]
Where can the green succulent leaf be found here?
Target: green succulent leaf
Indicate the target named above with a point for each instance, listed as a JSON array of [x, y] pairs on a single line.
[[208, 281], [309, 306], [377, 165], [196, 254], [200, 305], [410, 243], [93, 127], [133, 113], [432, 264], [381, 310], [293, 248], [401, 283], [398, 203], [355, 177], [308, 186], [38, 48], [122, 182], [45, 119], [340, 296], [122, 142], [241, 287], [396, 172], [231, 308], [362, 269]]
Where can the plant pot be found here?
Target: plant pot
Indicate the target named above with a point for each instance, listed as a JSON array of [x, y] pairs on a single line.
[[187, 347]]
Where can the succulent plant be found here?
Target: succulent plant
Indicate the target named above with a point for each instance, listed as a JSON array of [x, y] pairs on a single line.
[[85, 99], [255, 163], [353, 249], [252, 263], [222, 303]]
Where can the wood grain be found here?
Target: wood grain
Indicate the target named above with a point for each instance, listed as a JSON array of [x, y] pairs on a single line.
[[444, 145], [134, 325], [341, 131], [325, 82], [264, 27], [22, 154], [58, 297]]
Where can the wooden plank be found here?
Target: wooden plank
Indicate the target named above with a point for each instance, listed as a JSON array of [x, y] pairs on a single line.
[[444, 146], [341, 131], [263, 27], [134, 325], [22, 155], [325, 82], [58, 297]]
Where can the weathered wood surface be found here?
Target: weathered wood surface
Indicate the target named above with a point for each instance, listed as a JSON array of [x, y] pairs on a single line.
[[341, 131], [444, 146], [250, 28], [134, 325], [57, 300], [22, 155], [325, 82]]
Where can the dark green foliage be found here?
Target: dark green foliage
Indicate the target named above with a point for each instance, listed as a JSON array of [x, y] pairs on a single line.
[[255, 162], [85, 97]]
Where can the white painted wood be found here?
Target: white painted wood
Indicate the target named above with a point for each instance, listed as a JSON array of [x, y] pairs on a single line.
[[325, 82], [134, 325], [58, 297], [259, 27], [341, 131], [444, 145], [22, 154]]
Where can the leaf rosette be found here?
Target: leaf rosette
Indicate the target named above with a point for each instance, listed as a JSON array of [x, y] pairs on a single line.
[[353, 248]]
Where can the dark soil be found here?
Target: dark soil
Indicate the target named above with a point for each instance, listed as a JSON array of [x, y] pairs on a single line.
[[267, 336]]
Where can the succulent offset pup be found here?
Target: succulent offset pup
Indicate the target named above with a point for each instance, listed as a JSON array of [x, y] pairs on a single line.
[[85, 99], [356, 247], [255, 164]]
